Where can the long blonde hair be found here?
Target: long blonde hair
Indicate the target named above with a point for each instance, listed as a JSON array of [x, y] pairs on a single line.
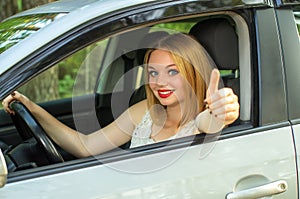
[[193, 63]]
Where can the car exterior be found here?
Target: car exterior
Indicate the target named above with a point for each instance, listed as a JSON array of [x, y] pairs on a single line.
[[101, 41]]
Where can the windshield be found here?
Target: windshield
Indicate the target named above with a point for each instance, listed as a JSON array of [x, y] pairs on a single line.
[[15, 30]]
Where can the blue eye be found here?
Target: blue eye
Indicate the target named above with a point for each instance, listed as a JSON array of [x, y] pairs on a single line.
[[173, 72], [153, 73]]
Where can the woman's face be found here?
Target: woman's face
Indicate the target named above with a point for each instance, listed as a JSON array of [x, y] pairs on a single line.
[[165, 81]]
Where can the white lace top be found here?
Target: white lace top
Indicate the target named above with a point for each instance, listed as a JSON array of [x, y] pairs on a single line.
[[141, 134]]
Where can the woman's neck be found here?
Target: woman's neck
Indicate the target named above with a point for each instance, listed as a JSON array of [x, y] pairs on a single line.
[[174, 115], [167, 123]]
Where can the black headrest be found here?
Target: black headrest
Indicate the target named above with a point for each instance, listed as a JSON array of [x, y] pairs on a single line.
[[147, 43], [218, 37]]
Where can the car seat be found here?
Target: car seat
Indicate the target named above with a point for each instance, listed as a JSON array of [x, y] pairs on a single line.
[[219, 38]]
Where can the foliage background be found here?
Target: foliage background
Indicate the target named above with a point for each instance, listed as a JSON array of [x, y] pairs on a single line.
[[11, 7]]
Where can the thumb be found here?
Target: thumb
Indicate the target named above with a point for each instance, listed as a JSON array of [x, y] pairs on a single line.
[[213, 83]]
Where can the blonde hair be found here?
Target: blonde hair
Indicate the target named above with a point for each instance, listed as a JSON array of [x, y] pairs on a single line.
[[193, 63]]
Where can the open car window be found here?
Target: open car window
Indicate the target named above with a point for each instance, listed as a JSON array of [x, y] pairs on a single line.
[[111, 70], [90, 88]]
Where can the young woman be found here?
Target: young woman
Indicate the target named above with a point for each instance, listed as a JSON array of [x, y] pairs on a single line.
[[182, 99]]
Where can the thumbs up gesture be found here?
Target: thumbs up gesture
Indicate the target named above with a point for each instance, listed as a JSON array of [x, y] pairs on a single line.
[[222, 103], [222, 107]]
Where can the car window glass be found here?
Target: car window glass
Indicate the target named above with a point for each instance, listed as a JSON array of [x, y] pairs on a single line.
[[73, 76], [297, 19], [14, 30]]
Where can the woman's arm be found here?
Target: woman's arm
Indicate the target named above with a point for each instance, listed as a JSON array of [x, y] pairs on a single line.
[[76, 143]]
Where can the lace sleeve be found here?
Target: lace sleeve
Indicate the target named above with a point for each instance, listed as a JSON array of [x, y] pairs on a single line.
[[141, 134]]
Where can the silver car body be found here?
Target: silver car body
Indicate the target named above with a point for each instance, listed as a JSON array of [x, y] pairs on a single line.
[[255, 157]]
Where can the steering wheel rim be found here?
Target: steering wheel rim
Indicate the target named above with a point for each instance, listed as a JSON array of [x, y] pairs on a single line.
[[38, 132]]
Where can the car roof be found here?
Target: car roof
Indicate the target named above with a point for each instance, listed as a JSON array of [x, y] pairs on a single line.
[[78, 12]]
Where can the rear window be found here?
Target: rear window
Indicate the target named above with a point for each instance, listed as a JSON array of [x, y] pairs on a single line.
[[15, 30]]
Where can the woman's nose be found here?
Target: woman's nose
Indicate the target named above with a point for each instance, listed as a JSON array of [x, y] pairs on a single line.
[[162, 80]]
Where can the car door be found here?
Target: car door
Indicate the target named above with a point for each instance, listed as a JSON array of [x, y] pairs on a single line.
[[255, 156], [291, 48]]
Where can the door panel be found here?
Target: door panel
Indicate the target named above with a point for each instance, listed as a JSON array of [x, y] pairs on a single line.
[[265, 156], [8, 133], [296, 129]]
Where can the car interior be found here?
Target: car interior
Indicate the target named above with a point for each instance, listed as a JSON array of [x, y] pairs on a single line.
[[225, 37]]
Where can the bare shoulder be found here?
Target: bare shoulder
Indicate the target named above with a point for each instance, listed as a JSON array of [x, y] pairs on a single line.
[[137, 111]]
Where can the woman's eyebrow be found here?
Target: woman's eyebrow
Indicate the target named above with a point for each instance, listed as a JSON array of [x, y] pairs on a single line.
[[150, 67], [170, 65], [167, 66]]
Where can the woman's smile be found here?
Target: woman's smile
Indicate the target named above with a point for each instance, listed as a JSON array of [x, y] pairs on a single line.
[[163, 93]]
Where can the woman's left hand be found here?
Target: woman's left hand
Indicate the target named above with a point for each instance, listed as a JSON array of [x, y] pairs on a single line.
[[222, 103]]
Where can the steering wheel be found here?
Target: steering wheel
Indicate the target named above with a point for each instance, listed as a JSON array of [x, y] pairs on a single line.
[[37, 131]]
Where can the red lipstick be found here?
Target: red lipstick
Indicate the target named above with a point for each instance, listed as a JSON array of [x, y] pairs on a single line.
[[164, 93]]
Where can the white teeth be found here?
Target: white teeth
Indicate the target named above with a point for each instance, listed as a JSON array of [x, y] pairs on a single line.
[[165, 92]]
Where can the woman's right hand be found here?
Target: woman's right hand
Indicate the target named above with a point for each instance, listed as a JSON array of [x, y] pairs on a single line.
[[15, 96]]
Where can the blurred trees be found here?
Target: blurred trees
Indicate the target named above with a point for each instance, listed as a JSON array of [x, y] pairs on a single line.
[[11, 7]]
